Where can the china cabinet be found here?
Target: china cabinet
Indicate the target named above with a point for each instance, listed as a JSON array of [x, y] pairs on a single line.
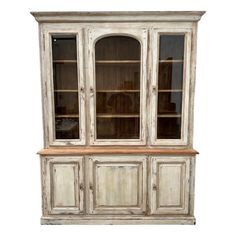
[[118, 94]]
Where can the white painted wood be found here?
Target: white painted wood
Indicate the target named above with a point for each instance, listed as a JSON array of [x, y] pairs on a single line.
[[169, 186], [94, 34], [47, 86], [116, 16], [192, 82], [117, 184], [115, 189], [184, 140], [192, 185], [64, 185]]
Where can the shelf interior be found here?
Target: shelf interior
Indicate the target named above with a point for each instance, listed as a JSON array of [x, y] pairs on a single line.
[[117, 87]]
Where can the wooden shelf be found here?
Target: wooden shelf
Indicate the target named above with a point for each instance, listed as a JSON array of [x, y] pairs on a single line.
[[118, 91], [64, 61], [169, 116], [171, 61], [66, 90], [117, 62], [169, 90], [67, 116], [117, 115]]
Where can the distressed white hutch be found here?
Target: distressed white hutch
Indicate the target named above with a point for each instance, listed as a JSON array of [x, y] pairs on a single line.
[[118, 94]]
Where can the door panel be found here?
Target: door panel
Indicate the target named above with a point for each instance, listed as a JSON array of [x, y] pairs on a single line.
[[170, 185], [117, 185], [64, 185]]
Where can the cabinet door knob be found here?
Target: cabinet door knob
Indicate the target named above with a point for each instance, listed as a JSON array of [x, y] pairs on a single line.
[[81, 187], [154, 187], [91, 90], [154, 89], [90, 186], [82, 89]]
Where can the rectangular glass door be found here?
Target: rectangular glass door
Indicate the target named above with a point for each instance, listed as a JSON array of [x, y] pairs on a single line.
[[170, 87], [66, 125], [65, 80]]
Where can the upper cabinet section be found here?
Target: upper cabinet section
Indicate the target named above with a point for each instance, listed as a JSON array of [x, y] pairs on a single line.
[[118, 78]]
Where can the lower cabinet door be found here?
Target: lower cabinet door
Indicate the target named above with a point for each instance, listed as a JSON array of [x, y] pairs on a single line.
[[64, 185], [117, 184], [169, 188]]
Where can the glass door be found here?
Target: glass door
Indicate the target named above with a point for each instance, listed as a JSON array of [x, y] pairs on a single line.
[[118, 113], [170, 88], [65, 88], [65, 81]]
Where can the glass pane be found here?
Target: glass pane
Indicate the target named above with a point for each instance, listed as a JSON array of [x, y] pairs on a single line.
[[170, 86], [169, 103], [67, 128], [124, 76], [170, 75], [118, 128], [117, 88], [64, 47], [169, 128], [66, 103], [171, 47], [117, 48], [65, 80], [118, 103], [65, 76]]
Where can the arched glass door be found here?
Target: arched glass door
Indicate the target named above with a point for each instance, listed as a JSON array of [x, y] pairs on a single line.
[[117, 72], [117, 69]]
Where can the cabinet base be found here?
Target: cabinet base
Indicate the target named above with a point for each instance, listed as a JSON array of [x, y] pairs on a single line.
[[188, 220]]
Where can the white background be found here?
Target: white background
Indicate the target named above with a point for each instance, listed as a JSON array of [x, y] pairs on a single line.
[[21, 123]]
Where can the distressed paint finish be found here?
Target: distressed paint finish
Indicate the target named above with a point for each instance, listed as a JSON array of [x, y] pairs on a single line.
[[64, 185], [119, 220], [117, 184], [146, 181], [119, 16], [169, 187]]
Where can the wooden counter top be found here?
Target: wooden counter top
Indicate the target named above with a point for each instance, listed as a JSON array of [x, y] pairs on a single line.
[[111, 150]]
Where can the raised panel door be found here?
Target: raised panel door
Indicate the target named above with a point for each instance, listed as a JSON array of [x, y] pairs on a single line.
[[117, 184], [169, 188], [64, 185]]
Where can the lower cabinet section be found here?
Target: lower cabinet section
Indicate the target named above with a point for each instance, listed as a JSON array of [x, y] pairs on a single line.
[[118, 187]]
